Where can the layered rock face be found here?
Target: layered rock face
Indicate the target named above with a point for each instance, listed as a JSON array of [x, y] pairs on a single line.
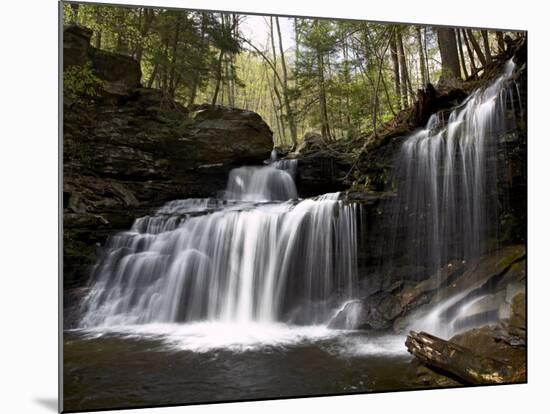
[[131, 149]]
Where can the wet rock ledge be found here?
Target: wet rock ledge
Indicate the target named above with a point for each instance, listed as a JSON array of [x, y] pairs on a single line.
[[128, 149]]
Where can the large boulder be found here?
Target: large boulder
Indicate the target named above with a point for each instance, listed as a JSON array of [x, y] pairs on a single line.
[[225, 134], [119, 74], [76, 45], [375, 312], [320, 171]]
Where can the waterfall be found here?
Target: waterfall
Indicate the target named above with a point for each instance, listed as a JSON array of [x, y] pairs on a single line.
[[258, 255], [447, 204], [261, 184]]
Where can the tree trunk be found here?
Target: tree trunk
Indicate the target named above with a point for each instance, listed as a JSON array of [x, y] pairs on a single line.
[[450, 65], [74, 8], [148, 16], [461, 53], [347, 80], [164, 78], [230, 75], [500, 42], [278, 108], [197, 74], [404, 71], [325, 129], [377, 88], [98, 32], [395, 62], [218, 78], [457, 361], [277, 118], [422, 62], [289, 112], [476, 47], [172, 80], [153, 75], [426, 54], [486, 45], [98, 39], [469, 50]]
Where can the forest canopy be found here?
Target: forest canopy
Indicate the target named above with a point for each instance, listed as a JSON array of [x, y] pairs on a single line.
[[340, 78]]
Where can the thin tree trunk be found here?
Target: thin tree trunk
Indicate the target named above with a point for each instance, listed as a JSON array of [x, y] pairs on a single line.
[[98, 39], [486, 45], [409, 86], [172, 81], [388, 100], [422, 63], [289, 112], [165, 66], [153, 75], [98, 32], [148, 16], [376, 100], [197, 75], [426, 54], [500, 42], [469, 50], [461, 54], [395, 64], [277, 118], [229, 75], [476, 47], [325, 129], [74, 8], [347, 81], [404, 71], [276, 75], [218, 78]]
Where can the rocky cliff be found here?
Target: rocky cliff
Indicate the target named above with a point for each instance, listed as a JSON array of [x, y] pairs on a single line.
[[128, 149]]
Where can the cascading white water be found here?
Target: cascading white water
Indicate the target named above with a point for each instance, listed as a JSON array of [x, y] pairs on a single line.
[[447, 177], [241, 260], [261, 184]]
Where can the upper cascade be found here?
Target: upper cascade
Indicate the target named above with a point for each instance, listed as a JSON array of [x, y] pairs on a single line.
[[274, 182]]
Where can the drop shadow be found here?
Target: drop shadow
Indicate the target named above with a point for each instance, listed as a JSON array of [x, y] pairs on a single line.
[[49, 403]]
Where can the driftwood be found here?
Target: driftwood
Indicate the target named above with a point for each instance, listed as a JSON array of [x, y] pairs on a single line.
[[457, 361]]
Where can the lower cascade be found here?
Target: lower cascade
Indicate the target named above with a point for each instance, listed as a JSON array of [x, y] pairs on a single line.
[[242, 259]]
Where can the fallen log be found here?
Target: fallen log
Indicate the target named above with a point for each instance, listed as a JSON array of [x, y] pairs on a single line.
[[458, 361]]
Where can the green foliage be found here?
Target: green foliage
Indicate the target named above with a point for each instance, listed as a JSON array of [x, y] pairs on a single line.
[[80, 84], [340, 74]]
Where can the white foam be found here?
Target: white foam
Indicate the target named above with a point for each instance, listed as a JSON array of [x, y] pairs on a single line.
[[209, 336], [362, 346]]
